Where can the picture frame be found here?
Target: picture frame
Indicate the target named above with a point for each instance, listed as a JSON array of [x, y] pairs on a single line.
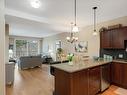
[[81, 47]]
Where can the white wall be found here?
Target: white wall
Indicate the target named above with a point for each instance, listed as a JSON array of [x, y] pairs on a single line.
[[94, 42], [2, 50], [85, 34], [7, 43], [49, 42]]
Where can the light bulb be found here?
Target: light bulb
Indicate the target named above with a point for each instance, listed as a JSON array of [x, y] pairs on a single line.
[[76, 38], [35, 3], [95, 33], [75, 29], [68, 38], [73, 37]]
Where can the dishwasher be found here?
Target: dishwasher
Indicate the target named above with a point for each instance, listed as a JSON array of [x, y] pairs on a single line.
[[105, 77]]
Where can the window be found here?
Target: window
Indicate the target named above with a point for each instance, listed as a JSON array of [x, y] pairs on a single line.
[[32, 48], [58, 44], [26, 48]]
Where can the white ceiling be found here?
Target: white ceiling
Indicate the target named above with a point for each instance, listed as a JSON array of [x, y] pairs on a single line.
[[54, 16], [29, 28]]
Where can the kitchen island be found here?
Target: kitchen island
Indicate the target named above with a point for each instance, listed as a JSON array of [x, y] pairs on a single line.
[[83, 78]]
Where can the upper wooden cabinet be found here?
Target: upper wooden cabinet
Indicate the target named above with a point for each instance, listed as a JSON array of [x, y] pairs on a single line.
[[105, 39], [114, 38]]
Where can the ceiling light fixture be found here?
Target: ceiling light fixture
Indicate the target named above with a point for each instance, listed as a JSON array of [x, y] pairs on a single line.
[[72, 37], [35, 3], [75, 28], [95, 31]]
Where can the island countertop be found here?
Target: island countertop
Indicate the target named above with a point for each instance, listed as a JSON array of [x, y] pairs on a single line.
[[80, 66]]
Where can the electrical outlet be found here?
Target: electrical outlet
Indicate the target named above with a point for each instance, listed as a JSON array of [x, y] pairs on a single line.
[[120, 55]]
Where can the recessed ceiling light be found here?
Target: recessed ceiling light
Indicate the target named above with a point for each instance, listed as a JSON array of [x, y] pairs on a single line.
[[35, 3]]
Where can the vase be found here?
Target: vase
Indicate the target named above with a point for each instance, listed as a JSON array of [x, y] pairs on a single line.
[[70, 63]]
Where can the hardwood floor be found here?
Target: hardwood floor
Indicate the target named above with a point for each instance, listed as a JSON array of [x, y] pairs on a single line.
[[35, 81], [38, 81], [111, 91]]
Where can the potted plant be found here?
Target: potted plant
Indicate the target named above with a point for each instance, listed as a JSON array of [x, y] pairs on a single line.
[[59, 50]]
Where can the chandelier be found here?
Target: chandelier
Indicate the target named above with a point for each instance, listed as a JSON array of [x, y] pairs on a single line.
[[74, 28], [73, 37]]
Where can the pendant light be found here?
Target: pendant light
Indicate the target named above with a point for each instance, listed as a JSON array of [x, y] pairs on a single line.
[[95, 31], [75, 28]]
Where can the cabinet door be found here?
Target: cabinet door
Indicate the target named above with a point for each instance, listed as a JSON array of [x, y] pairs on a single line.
[[118, 38], [124, 75], [80, 83], [62, 82], [124, 30], [94, 81], [116, 73], [105, 39]]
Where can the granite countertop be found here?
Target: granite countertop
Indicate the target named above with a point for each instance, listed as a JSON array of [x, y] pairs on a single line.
[[80, 66], [120, 61], [84, 65]]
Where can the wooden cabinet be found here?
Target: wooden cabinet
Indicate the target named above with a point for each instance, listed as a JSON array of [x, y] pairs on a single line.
[[84, 82], [113, 39], [119, 74], [94, 81], [124, 76], [124, 30], [71, 83], [105, 39], [116, 73], [118, 37], [80, 83], [62, 82]]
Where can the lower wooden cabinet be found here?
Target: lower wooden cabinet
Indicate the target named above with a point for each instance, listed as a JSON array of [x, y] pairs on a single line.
[[84, 82], [119, 74], [124, 76], [80, 83], [88, 81], [116, 73]]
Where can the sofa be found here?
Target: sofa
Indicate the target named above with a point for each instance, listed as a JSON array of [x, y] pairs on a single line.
[[26, 62]]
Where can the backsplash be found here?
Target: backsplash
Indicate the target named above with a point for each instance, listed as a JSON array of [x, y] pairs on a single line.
[[116, 53]]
